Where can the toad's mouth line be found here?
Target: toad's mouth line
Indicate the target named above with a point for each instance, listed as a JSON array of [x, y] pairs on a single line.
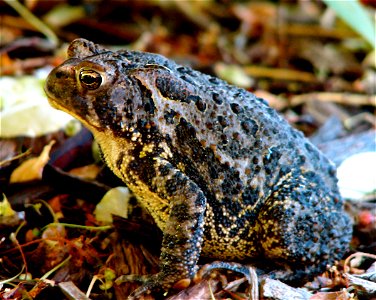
[[56, 104]]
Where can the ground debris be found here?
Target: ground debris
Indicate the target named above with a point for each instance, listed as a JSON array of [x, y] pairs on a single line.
[[277, 290]]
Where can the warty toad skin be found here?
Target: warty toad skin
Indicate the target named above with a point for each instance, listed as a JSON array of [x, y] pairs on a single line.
[[222, 174]]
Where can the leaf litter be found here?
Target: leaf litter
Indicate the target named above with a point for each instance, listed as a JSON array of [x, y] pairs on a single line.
[[312, 67]]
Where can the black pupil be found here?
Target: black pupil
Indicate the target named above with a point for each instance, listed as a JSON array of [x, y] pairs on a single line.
[[91, 79]]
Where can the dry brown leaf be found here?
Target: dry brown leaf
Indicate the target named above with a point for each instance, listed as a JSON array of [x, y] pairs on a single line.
[[86, 172], [32, 168], [342, 295]]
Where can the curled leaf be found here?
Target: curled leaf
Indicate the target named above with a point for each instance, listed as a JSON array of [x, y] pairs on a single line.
[[32, 168], [113, 202]]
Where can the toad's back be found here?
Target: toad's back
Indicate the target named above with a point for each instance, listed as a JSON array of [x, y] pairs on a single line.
[[220, 171]]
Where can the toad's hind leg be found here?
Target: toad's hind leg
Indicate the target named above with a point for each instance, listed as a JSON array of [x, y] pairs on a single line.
[[303, 228]]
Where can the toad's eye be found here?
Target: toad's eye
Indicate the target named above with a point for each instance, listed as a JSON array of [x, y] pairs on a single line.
[[90, 79]]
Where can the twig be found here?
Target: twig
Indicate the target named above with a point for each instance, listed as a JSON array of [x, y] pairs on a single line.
[[71, 291], [342, 98], [33, 20], [280, 74]]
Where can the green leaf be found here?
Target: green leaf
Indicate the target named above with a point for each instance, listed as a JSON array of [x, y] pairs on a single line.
[[356, 16]]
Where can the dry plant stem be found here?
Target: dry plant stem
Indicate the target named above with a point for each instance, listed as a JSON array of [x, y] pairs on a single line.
[[13, 237], [195, 12], [71, 291], [10, 280], [91, 285], [233, 285], [254, 292], [16, 22], [21, 155], [315, 31], [211, 291], [92, 228], [45, 276], [342, 98], [354, 121], [33, 20], [18, 66], [280, 74], [33, 242]]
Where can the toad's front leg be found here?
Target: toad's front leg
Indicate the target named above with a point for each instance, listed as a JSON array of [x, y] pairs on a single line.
[[183, 230]]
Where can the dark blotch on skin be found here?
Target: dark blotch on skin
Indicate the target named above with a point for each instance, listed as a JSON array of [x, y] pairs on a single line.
[[249, 127], [217, 98], [236, 108], [169, 116], [201, 105], [173, 89], [223, 121]]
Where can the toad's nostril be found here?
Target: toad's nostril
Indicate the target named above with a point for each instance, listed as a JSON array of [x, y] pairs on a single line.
[[59, 74]]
